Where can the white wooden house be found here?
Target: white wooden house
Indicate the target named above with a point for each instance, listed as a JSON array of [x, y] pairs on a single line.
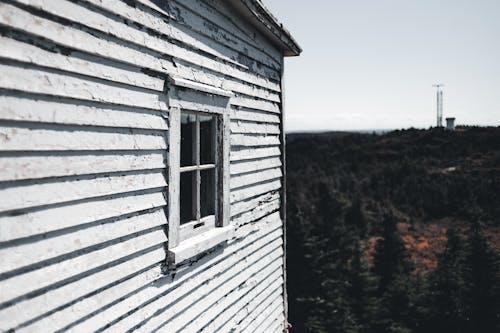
[[141, 166]]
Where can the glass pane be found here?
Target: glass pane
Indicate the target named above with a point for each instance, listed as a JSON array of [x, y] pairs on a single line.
[[207, 139], [188, 128], [187, 197], [207, 192]]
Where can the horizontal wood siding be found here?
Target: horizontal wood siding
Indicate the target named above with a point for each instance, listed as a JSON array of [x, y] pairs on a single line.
[[83, 167]]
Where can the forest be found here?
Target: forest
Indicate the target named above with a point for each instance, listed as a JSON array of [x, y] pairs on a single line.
[[398, 232]]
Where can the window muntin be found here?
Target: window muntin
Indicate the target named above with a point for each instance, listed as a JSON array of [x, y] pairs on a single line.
[[205, 147], [198, 172]]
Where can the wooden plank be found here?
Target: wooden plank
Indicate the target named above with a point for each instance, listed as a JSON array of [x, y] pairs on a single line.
[[174, 140], [257, 104], [278, 324], [52, 273], [247, 179], [254, 215], [192, 17], [248, 140], [273, 299], [246, 127], [57, 138], [130, 322], [68, 37], [199, 74], [273, 290], [154, 300], [253, 191], [38, 194], [22, 166], [243, 154], [222, 299], [170, 31], [273, 314], [26, 254], [75, 267], [222, 18], [45, 81], [77, 63], [254, 203], [189, 308], [82, 297], [254, 165], [254, 115], [203, 40], [224, 179], [147, 302], [188, 99], [199, 244], [33, 108], [243, 231], [284, 191], [267, 313], [228, 320], [127, 33], [180, 82], [77, 214]]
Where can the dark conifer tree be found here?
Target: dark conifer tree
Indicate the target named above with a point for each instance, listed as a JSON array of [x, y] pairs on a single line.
[[391, 259], [482, 283], [361, 291], [392, 267], [355, 217], [445, 308]]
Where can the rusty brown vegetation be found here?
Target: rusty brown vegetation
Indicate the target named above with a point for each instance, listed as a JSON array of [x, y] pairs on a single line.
[[380, 226]]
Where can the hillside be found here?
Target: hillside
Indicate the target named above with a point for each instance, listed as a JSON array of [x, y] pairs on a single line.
[[349, 185]]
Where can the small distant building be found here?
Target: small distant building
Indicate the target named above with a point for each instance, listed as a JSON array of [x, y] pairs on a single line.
[[450, 124]]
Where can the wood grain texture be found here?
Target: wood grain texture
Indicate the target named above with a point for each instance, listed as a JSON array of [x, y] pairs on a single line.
[[49, 164], [90, 97], [74, 215], [33, 108]]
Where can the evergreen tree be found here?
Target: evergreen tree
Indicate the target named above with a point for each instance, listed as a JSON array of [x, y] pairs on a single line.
[[445, 310], [361, 290], [482, 282], [341, 298], [391, 266], [391, 259], [355, 216]]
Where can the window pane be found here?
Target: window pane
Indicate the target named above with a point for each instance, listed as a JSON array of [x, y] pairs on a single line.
[[187, 200], [207, 139], [188, 127], [207, 192]]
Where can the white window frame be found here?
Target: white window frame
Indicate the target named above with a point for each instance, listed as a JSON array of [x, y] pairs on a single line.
[[185, 241]]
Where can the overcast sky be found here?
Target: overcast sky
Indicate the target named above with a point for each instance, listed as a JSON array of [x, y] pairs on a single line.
[[371, 64]]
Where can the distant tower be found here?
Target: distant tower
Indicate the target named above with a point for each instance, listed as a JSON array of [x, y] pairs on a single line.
[[439, 104]]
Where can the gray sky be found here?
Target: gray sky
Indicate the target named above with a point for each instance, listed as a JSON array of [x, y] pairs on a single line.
[[371, 64]]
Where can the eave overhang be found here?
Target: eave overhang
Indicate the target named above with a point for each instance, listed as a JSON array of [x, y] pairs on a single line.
[[263, 20]]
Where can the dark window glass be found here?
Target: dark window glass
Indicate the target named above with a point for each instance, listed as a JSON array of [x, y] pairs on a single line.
[[207, 192], [188, 128], [187, 193], [207, 139]]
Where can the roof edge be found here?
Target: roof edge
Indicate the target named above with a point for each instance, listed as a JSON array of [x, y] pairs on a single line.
[[260, 17]]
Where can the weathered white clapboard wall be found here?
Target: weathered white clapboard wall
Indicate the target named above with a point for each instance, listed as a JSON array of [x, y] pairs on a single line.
[[83, 152]]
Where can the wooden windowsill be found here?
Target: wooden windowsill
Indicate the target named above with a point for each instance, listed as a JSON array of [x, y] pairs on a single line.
[[196, 245]]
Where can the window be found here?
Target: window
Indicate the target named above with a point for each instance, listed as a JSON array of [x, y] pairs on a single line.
[[198, 169], [198, 172]]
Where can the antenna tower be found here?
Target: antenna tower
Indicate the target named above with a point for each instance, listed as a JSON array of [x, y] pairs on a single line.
[[439, 104]]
